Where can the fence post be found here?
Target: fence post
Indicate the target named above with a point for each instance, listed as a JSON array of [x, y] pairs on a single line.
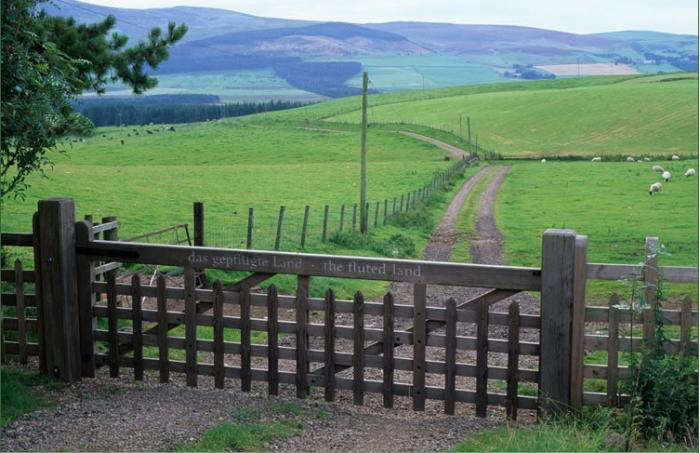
[[86, 300], [61, 324], [325, 224], [279, 228], [557, 302], [198, 213], [40, 307], [386, 206], [651, 277], [578, 321], [303, 227], [342, 218], [354, 216], [249, 235]]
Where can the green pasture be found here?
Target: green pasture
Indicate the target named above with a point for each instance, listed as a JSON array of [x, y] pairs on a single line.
[[335, 107], [608, 202], [151, 180], [410, 72], [612, 119]]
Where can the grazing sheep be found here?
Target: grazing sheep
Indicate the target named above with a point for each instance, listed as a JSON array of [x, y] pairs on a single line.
[[674, 157], [656, 187], [657, 168], [690, 172], [543, 160], [596, 159], [666, 175], [630, 159], [646, 159]]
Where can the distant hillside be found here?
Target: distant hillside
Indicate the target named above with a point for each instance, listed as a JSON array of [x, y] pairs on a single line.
[[248, 54], [460, 39], [202, 22], [327, 39]]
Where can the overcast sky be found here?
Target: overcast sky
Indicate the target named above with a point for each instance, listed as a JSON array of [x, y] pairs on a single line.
[[588, 16]]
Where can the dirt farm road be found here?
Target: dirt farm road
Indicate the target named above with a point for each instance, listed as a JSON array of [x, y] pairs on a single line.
[[457, 153], [120, 414]]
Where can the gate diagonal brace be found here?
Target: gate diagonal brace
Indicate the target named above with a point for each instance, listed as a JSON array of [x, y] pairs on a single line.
[[203, 306], [431, 325]]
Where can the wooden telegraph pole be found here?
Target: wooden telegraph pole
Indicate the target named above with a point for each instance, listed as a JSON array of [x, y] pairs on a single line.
[[363, 159]]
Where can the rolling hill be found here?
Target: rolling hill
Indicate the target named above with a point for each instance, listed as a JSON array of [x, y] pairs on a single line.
[[398, 55], [612, 115]]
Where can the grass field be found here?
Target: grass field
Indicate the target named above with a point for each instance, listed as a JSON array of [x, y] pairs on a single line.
[[151, 181], [621, 118], [608, 202]]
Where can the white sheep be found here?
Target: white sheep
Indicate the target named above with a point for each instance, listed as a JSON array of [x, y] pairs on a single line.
[[656, 187], [657, 168], [666, 175], [543, 160], [630, 159], [690, 172], [596, 159], [646, 159], [674, 157]]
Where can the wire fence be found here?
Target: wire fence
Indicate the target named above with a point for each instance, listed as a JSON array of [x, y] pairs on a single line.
[[294, 228]]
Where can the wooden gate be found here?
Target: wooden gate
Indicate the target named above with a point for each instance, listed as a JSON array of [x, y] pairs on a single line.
[[385, 347]]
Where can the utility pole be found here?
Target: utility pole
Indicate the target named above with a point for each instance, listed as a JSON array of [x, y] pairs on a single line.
[[363, 158]]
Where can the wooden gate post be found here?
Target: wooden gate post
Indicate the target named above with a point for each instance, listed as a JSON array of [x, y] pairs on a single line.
[[557, 303], [85, 268], [61, 324], [578, 321]]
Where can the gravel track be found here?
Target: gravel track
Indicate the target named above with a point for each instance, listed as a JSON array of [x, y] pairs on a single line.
[[120, 414]]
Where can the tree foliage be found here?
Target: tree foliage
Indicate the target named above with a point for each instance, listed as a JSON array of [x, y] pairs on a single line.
[[46, 62]]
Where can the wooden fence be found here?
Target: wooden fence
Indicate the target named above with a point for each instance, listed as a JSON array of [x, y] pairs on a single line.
[[627, 313], [58, 321]]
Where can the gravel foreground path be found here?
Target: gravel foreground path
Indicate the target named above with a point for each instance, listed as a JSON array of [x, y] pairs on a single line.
[[120, 414]]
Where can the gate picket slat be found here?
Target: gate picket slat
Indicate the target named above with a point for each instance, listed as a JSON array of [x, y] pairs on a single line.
[[21, 312], [513, 377], [245, 339], [302, 335], [419, 293], [358, 357], [272, 341], [136, 323], [613, 346], [329, 346], [450, 356], [112, 321], [388, 351], [190, 328], [218, 335], [482, 344], [163, 367]]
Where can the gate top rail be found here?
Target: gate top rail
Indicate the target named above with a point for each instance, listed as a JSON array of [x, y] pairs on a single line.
[[17, 239], [613, 271], [355, 267]]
